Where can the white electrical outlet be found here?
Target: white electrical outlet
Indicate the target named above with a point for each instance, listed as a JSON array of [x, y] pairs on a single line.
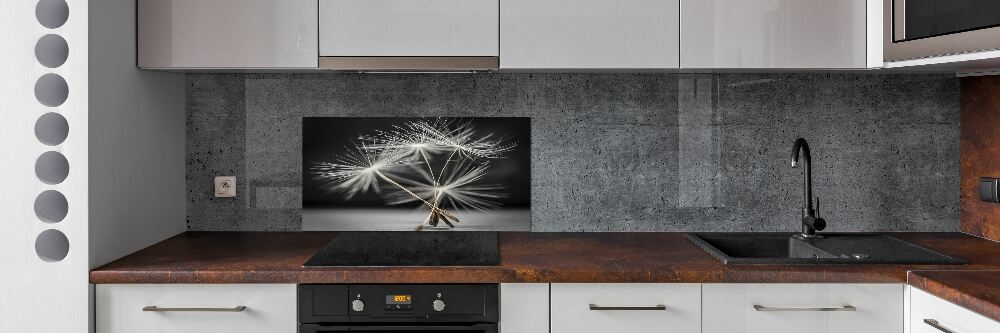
[[225, 187]]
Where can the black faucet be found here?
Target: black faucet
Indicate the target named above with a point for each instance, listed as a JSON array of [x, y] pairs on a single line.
[[810, 221]]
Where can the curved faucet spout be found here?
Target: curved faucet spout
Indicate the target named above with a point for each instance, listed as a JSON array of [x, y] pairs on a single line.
[[803, 146], [810, 222]]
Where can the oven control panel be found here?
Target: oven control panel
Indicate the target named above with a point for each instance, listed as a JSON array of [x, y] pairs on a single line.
[[420, 300], [399, 303], [390, 303]]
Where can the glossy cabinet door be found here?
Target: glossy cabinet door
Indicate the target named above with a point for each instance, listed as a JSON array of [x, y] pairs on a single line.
[[774, 34], [803, 308], [626, 307], [930, 314], [196, 308], [404, 28], [589, 34], [524, 308], [227, 34]]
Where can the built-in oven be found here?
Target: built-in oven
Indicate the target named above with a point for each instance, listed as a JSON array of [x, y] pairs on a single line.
[[916, 29], [387, 308]]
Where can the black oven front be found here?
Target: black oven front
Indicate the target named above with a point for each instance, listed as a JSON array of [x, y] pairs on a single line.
[[384, 308]]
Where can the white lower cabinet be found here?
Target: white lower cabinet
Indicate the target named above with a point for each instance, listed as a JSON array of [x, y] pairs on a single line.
[[803, 308], [569, 308], [524, 308], [930, 314], [196, 308], [626, 307]]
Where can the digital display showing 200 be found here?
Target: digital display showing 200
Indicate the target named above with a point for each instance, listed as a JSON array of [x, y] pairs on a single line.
[[398, 299]]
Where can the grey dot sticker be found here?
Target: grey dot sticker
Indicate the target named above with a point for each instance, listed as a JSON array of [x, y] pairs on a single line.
[[51, 51], [52, 245], [51, 206], [51, 129], [52, 168], [51, 90], [52, 13]]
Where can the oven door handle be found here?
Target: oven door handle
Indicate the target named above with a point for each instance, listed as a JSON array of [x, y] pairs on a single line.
[[486, 328], [314, 328]]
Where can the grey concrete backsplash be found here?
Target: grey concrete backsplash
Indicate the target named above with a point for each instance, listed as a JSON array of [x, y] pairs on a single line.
[[615, 152]]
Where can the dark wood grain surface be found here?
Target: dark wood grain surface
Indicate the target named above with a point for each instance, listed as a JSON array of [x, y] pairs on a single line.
[[264, 257], [980, 149], [978, 291]]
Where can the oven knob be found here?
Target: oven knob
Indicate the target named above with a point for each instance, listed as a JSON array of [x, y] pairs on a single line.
[[358, 305], [438, 305]]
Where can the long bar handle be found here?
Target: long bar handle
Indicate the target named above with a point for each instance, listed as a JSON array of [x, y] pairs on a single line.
[[759, 307], [595, 307], [154, 308], [935, 324]]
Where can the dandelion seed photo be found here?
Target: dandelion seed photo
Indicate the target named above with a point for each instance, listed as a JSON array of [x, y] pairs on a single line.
[[405, 174]]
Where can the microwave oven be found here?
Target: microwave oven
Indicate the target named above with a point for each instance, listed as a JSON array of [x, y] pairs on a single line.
[[915, 29]]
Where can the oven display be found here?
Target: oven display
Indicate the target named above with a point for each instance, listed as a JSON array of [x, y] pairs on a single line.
[[398, 299]]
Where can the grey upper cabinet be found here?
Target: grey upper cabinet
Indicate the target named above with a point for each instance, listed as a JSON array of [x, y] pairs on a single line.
[[780, 34], [589, 34], [422, 35], [221, 34], [406, 28], [509, 34]]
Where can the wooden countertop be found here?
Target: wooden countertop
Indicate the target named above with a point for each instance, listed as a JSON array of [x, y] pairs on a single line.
[[978, 291], [275, 257]]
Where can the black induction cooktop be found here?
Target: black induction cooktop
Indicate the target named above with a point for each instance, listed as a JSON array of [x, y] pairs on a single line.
[[409, 248]]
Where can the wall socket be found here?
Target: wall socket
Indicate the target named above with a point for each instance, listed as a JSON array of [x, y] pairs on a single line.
[[988, 189], [225, 187]]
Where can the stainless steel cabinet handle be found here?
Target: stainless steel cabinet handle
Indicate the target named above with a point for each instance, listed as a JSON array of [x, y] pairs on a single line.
[[159, 309], [759, 307], [935, 324], [595, 307]]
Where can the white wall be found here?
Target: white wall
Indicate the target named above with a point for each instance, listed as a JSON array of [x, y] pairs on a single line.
[[38, 295], [124, 187], [137, 187]]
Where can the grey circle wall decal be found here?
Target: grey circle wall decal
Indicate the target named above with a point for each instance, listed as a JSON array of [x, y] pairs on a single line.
[[51, 206], [52, 13], [52, 245], [52, 167], [51, 90], [51, 129], [51, 51]]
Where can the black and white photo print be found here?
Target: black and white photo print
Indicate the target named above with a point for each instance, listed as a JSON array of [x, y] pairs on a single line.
[[378, 173]]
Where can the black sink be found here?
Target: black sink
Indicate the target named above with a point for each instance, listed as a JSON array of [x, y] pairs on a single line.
[[837, 248]]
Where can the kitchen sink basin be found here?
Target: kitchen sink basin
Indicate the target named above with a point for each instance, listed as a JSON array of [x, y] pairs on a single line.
[[836, 248]]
